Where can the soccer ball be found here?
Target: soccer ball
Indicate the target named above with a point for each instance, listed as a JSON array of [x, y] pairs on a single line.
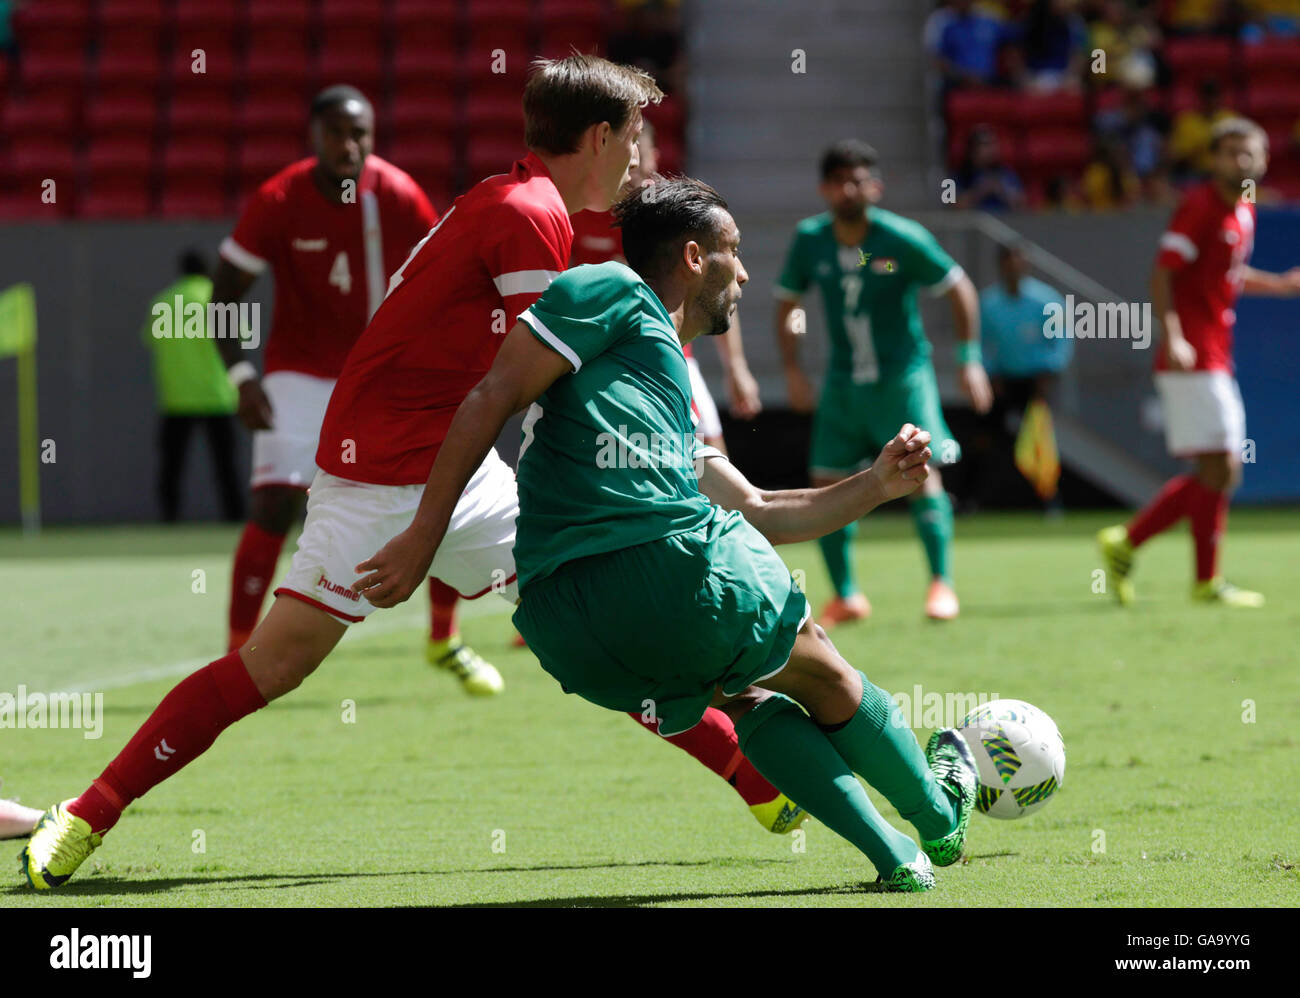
[[1020, 755]]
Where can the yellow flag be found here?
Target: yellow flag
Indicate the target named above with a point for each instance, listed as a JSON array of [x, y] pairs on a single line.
[[17, 320], [1036, 455]]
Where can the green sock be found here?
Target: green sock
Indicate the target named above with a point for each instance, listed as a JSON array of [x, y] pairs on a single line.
[[933, 518], [837, 549], [879, 746], [787, 748]]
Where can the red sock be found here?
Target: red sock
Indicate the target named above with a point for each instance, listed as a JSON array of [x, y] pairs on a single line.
[[442, 619], [255, 560], [180, 729], [1209, 512], [713, 742], [1162, 512]]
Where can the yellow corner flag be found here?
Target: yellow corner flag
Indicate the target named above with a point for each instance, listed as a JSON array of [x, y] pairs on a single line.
[[18, 339], [1036, 456]]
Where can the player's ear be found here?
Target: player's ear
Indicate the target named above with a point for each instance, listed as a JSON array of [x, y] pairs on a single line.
[[693, 256]]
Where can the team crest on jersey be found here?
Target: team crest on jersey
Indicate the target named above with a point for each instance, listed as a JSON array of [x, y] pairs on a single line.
[[883, 265], [310, 245]]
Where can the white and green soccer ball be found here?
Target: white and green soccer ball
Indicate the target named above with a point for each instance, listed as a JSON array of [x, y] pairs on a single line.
[[1020, 755]]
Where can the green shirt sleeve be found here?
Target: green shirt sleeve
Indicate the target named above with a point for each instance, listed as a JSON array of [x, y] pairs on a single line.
[[795, 278], [926, 261], [584, 311]]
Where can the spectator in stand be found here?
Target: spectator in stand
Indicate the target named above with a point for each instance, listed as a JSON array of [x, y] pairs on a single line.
[[963, 43], [1059, 195], [1139, 130], [1129, 39], [986, 183], [1192, 17], [1109, 183], [1051, 48], [1189, 142]]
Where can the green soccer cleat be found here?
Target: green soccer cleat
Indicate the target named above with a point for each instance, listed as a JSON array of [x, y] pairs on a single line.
[[1117, 551], [60, 844], [954, 767], [1219, 590], [780, 815], [911, 878], [477, 676]]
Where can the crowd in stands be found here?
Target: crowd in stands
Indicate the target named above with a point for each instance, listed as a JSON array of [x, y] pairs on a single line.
[[1102, 104]]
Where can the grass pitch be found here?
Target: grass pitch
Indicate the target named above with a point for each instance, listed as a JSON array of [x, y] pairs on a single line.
[[1180, 787]]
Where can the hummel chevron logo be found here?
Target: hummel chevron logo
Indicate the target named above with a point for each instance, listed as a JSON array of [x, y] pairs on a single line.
[[162, 747]]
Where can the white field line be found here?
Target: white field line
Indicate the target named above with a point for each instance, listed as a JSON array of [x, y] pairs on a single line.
[[486, 606]]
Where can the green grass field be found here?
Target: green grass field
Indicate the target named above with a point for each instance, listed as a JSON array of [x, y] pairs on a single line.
[[1174, 793]]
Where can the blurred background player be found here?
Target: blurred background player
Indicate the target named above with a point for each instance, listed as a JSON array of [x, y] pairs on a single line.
[[869, 264], [596, 239], [331, 229], [193, 390], [1200, 270], [1024, 367]]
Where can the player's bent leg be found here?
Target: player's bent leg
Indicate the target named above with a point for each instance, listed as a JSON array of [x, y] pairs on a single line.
[[272, 511], [714, 744], [932, 516], [848, 603], [288, 645]]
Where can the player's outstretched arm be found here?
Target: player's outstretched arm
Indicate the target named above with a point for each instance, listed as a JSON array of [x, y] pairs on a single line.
[[1261, 282], [522, 371], [805, 514]]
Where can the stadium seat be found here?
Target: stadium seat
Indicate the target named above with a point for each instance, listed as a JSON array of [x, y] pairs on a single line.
[[562, 24], [977, 106], [284, 25], [124, 74], [429, 27], [219, 74], [32, 162], [195, 179], [275, 117], [267, 72], [201, 115], [53, 26], [430, 119], [1191, 59], [356, 23], [257, 161], [363, 68], [502, 117], [131, 25], [211, 25], [37, 117], [1052, 149], [1272, 60], [125, 115], [1274, 101], [492, 25], [54, 75], [477, 76], [1052, 108], [420, 77], [490, 155], [431, 162]]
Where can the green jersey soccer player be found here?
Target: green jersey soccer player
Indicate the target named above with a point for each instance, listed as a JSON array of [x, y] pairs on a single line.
[[869, 265], [647, 577]]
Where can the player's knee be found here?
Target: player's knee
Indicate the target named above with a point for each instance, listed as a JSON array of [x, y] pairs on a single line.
[[1219, 473], [277, 671], [274, 509]]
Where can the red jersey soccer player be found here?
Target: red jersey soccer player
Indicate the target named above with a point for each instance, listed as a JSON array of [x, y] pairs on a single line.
[[1200, 270], [331, 228], [436, 334]]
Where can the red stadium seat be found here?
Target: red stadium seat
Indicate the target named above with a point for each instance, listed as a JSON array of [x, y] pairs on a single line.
[[269, 72], [201, 115], [131, 25], [286, 25], [113, 157], [53, 26], [502, 117], [211, 25], [430, 162], [33, 163], [219, 73], [129, 115], [1272, 60], [980, 105], [56, 75], [259, 160], [35, 117], [274, 117], [361, 68], [195, 179], [1200, 58], [479, 76], [492, 25], [359, 23], [565, 24], [1056, 149], [429, 27], [430, 120], [421, 77], [124, 74], [1053, 108], [1271, 102], [490, 155]]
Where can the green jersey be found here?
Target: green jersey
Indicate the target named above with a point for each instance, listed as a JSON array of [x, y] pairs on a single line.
[[609, 450], [869, 291], [188, 370]]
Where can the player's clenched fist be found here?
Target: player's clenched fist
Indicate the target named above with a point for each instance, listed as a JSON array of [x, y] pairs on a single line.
[[397, 570], [901, 466]]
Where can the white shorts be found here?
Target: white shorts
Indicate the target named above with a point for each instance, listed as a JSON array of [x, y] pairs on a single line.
[[349, 521], [1203, 412], [286, 453], [707, 424]]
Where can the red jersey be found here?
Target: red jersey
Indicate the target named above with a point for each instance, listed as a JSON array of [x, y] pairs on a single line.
[[1206, 247], [596, 239], [330, 261], [449, 307]]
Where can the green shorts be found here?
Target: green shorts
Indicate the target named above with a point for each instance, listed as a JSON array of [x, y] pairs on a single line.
[[854, 421], [654, 628]]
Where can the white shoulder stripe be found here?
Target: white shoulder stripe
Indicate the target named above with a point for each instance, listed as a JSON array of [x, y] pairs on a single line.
[[550, 339], [1180, 244], [519, 282], [240, 257], [947, 281]]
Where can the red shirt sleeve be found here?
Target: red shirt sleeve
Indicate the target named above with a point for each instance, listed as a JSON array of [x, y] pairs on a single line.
[[1180, 244], [251, 246], [531, 251]]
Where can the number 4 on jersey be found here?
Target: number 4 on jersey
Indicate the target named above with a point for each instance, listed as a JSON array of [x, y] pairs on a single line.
[[340, 275]]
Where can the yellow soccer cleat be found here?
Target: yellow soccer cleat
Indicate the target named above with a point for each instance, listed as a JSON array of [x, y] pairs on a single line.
[[1117, 553], [780, 815], [60, 844], [477, 676], [1219, 590]]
